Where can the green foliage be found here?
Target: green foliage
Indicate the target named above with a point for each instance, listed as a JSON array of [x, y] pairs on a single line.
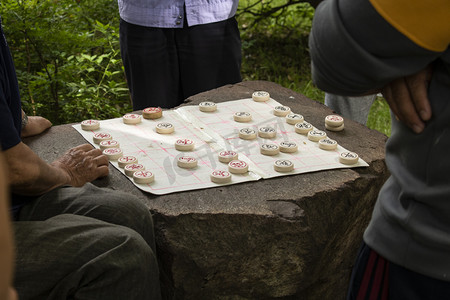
[[275, 17], [380, 116], [68, 63], [100, 88], [275, 48]]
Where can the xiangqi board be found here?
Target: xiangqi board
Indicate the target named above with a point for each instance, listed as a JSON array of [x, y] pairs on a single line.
[[200, 141]]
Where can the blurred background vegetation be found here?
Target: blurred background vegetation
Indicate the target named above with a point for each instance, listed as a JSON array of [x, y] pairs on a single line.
[[69, 68]]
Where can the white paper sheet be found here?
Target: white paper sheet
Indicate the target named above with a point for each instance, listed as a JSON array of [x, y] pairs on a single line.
[[212, 133]]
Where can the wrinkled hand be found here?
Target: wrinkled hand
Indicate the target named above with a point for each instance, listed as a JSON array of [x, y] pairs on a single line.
[[35, 126], [83, 164], [408, 99]]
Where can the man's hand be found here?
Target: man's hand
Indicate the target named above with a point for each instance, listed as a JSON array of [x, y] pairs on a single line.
[[408, 99], [83, 164], [29, 175], [35, 126]]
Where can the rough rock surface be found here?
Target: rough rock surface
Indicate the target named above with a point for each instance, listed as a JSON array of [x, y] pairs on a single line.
[[292, 237]]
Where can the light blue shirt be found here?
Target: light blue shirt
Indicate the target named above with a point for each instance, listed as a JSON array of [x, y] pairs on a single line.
[[170, 13]]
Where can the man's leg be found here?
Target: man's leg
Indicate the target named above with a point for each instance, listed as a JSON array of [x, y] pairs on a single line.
[[99, 203], [374, 277], [210, 56], [76, 257], [406, 284], [150, 59], [369, 278], [355, 108]]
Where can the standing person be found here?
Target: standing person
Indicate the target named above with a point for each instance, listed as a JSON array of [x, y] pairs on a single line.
[[355, 108], [173, 49], [402, 48], [72, 239]]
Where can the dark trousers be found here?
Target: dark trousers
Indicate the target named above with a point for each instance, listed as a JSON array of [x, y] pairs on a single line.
[[85, 243], [375, 278], [164, 66]]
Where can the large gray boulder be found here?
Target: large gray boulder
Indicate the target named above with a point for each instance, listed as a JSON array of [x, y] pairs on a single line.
[[292, 237]]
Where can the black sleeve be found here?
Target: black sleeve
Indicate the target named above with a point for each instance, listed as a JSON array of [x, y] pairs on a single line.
[[10, 107]]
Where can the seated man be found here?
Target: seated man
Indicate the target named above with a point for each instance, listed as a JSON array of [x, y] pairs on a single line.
[[73, 240]]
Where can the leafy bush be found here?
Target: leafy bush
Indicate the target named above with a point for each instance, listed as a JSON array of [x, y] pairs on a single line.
[[69, 68], [67, 58], [275, 43]]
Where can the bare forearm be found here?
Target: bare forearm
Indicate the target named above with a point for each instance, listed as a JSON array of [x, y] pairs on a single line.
[[30, 175]]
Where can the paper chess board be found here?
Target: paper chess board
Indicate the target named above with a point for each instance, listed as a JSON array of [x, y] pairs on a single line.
[[213, 132]]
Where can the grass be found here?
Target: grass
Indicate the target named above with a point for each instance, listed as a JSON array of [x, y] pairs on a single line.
[[276, 49], [380, 116]]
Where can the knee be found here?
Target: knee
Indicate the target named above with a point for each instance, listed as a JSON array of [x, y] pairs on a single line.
[[113, 207], [128, 261], [87, 256], [126, 205], [133, 252], [130, 211], [138, 263], [118, 208]]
